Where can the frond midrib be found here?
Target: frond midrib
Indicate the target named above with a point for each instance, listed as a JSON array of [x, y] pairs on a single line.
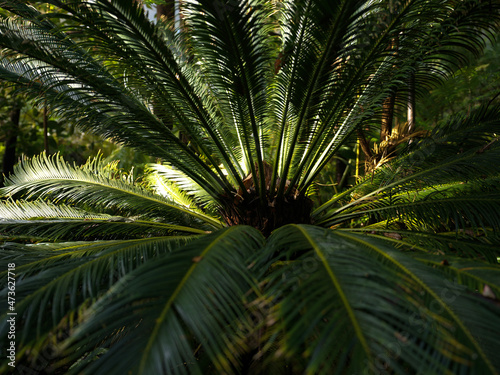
[[113, 186], [90, 220], [169, 303], [352, 317], [89, 264], [395, 206], [428, 290]]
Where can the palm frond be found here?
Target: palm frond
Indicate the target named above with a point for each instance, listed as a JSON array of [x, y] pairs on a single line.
[[455, 162], [230, 40], [338, 121], [313, 63], [326, 84], [481, 277], [190, 297], [177, 90], [244, 104], [451, 207], [82, 86], [166, 181], [464, 243], [82, 270], [49, 222], [412, 319], [100, 187]]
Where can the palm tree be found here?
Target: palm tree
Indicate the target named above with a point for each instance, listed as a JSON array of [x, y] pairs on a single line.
[[217, 260]]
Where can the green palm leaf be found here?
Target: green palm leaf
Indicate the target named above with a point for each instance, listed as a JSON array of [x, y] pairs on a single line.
[[49, 222], [452, 209], [463, 243], [84, 89], [51, 177], [377, 62], [431, 187], [476, 275], [412, 320], [83, 271], [168, 181], [231, 40], [192, 296]]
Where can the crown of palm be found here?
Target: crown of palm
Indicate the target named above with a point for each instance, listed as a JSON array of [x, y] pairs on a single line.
[[245, 104]]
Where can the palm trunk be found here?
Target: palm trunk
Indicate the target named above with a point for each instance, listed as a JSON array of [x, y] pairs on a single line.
[[365, 145], [271, 214]]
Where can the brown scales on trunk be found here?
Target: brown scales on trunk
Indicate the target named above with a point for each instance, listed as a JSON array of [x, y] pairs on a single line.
[[270, 214]]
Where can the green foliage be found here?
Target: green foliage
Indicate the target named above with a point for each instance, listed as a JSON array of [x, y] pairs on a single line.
[[470, 87], [243, 107], [342, 297], [62, 134]]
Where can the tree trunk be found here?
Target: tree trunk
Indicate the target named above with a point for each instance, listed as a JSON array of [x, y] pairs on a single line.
[[269, 215], [388, 106], [340, 168], [365, 145], [411, 104], [166, 10], [9, 157], [387, 117]]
